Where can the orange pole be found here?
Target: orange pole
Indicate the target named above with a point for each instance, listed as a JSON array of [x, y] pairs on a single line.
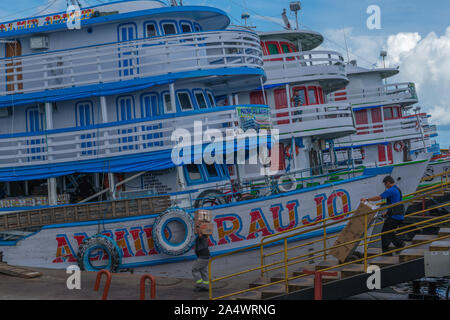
[[107, 285], [152, 286], [318, 281]]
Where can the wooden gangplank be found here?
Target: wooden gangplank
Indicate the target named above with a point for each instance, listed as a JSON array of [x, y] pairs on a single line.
[[18, 271], [83, 212]]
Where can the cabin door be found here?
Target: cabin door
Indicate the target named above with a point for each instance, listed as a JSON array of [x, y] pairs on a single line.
[[126, 112], [35, 121], [127, 51], [14, 69], [281, 103], [86, 118]]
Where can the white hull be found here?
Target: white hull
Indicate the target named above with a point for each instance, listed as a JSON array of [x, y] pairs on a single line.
[[236, 225]]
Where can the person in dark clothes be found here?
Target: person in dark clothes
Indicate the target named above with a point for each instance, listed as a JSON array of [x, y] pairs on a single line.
[[394, 216], [84, 189], [200, 267]]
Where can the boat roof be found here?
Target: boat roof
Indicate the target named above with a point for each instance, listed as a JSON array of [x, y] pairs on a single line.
[[384, 72], [309, 39], [210, 18]]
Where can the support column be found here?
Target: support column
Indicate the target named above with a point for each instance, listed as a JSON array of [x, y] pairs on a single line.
[[230, 100], [51, 182], [104, 110], [263, 90], [172, 97]]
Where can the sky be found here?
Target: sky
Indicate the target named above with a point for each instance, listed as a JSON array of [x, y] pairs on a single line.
[[415, 34]]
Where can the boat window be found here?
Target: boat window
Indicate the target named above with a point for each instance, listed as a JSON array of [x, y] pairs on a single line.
[[151, 30], [151, 108], [285, 48], [186, 28], [387, 113], [211, 170], [126, 109], [197, 27], [167, 103], [312, 96], [395, 113], [273, 48], [185, 101], [212, 102], [361, 117], [193, 172], [201, 101], [169, 28]]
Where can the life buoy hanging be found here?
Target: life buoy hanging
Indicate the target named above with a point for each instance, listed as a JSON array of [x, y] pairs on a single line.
[[363, 154], [97, 244], [287, 186], [182, 234], [398, 146], [417, 126], [287, 151]]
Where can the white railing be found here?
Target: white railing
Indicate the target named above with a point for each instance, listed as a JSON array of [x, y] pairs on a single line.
[[129, 60], [106, 140], [391, 93], [305, 65], [321, 118]]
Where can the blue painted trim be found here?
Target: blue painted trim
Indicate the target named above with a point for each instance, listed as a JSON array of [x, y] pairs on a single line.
[[370, 107], [5, 243], [133, 106], [91, 106], [96, 90], [189, 11], [143, 106], [378, 170]]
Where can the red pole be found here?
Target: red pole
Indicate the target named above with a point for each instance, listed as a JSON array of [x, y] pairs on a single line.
[[107, 285], [318, 281], [152, 286]]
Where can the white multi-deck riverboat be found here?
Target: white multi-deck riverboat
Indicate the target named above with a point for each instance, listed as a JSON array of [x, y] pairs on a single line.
[[99, 105]]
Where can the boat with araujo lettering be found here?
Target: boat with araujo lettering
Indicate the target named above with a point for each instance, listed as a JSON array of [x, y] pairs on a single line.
[[113, 135]]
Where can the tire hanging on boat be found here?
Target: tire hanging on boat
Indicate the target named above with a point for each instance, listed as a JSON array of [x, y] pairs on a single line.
[[108, 245], [160, 240], [209, 197]]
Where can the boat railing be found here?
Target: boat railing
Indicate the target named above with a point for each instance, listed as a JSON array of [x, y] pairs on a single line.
[[129, 60], [108, 140], [304, 64], [396, 92], [307, 117]]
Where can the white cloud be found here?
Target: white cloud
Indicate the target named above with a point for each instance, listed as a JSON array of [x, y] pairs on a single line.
[[422, 60], [427, 63]]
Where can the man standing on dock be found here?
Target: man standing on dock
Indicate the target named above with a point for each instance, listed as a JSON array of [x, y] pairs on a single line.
[[394, 215], [200, 267]]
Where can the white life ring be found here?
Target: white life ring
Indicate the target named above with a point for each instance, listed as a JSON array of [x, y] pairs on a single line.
[[398, 146], [284, 187], [180, 225]]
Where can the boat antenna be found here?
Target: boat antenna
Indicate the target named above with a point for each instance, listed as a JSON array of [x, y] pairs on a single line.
[[295, 7], [245, 16], [285, 20], [346, 47]]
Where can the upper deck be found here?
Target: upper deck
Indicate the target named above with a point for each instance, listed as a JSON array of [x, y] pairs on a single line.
[[144, 43], [289, 56]]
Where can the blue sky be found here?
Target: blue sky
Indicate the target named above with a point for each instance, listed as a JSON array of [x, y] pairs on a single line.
[[415, 33]]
